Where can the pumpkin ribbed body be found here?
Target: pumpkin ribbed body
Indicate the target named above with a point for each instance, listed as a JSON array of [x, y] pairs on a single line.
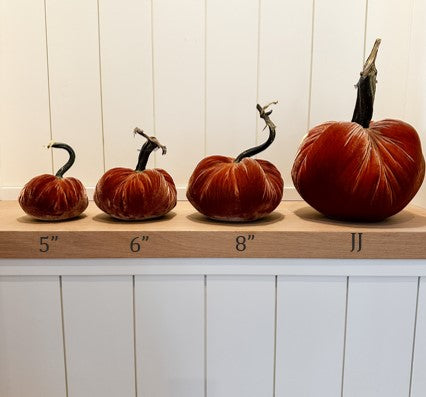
[[51, 198], [235, 191], [349, 172], [135, 195]]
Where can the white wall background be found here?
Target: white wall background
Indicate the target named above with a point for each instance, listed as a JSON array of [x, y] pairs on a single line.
[[191, 71]]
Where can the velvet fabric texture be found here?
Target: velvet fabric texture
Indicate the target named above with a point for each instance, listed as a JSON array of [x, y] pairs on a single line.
[[51, 198], [135, 195], [353, 173], [225, 190]]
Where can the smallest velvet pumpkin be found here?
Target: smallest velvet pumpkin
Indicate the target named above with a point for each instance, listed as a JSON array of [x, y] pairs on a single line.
[[53, 197], [137, 194], [240, 189]]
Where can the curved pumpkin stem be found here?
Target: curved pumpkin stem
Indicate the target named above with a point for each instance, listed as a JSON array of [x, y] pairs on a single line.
[[70, 161], [366, 86], [257, 149], [148, 147]]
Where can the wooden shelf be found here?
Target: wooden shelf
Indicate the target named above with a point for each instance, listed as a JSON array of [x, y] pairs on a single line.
[[294, 230]]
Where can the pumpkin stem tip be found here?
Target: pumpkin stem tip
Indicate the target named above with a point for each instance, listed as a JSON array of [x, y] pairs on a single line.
[[50, 144], [148, 147], [262, 109], [151, 139], [138, 131], [159, 145], [58, 145], [265, 114], [369, 65]]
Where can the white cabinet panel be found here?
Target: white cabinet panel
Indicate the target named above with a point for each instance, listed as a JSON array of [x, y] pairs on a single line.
[[170, 335], [418, 385], [310, 336], [379, 336], [31, 341], [98, 323], [240, 335]]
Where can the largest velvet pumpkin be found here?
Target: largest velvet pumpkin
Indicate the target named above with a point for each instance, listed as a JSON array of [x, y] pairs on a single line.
[[361, 170]]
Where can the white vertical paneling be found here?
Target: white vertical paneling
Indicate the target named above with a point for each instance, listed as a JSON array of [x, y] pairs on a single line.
[[310, 336], [98, 323], [24, 101], [418, 384], [191, 73], [170, 335], [31, 343], [284, 75], [416, 90], [379, 336], [231, 75], [73, 49], [126, 54], [178, 29], [240, 335], [391, 21], [337, 58]]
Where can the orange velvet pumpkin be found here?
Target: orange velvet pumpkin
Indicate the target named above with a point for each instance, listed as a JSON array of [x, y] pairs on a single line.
[[360, 170], [53, 197], [137, 194], [241, 189]]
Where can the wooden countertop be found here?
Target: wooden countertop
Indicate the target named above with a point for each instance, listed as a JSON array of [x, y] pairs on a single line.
[[294, 230]]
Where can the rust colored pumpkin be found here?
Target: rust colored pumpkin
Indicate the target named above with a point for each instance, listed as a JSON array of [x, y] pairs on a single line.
[[240, 189], [137, 194], [361, 170], [53, 197]]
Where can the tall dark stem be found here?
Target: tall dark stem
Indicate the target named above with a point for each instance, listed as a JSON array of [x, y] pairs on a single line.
[[363, 112], [70, 161], [148, 147], [257, 149]]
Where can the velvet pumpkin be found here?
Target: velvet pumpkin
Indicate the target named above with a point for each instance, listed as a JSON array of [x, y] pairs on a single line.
[[53, 197], [361, 170], [240, 189], [137, 194]]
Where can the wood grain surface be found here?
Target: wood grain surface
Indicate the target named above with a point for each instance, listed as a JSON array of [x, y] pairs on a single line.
[[294, 230]]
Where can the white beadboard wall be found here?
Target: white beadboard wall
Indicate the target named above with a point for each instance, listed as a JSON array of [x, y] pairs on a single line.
[[212, 328], [86, 72]]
